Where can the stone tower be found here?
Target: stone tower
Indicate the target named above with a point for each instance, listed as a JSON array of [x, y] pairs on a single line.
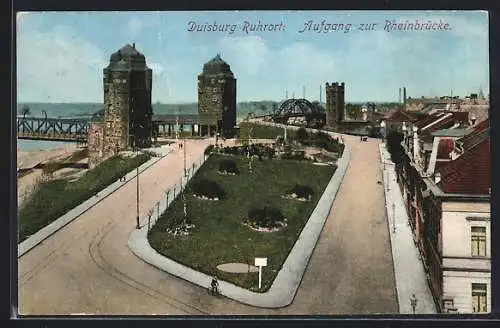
[[127, 101], [334, 104], [217, 95]]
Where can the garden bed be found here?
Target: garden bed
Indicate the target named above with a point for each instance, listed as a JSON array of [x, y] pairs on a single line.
[[220, 234], [54, 198]]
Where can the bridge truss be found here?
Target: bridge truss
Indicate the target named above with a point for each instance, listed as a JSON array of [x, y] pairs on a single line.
[[55, 129], [300, 112]]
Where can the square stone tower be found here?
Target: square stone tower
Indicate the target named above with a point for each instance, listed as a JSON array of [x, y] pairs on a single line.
[[127, 102], [217, 95], [334, 104]]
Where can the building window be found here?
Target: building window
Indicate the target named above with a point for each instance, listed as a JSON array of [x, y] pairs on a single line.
[[479, 298], [478, 241]]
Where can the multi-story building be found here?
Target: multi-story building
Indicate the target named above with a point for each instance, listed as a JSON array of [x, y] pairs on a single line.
[[217, 97], [445, 179]]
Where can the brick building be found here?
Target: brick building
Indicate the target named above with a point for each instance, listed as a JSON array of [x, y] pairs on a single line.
[[217, 97]]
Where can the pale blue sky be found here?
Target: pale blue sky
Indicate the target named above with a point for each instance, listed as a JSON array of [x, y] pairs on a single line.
[[61, 55]]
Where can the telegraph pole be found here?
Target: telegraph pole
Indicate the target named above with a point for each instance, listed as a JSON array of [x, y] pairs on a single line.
[[249, 143]]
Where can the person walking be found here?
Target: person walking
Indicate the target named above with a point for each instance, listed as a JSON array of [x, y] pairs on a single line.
[[214, 286]]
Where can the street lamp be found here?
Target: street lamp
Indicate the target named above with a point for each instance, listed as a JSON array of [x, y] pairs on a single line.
[[413, 302], [138, 226], [393, 218]]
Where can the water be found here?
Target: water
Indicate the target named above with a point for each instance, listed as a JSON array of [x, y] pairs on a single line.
[[33, 145]]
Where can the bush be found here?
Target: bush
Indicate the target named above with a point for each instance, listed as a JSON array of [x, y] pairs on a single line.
[[267, 217], [207, 188], [228, 166], [301, 191], [295, 155], [209, 149]]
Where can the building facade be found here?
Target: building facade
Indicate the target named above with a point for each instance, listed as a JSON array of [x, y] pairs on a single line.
[[217, 97], [127, 120], [335, 104], [445, 180]]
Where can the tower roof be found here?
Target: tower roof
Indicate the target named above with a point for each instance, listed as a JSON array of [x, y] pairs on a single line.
[[127, 58], [217, 66]]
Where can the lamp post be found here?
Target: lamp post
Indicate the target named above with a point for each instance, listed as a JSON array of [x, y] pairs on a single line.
[[138, 226], [184, 147], [393, 218], [413, 302]]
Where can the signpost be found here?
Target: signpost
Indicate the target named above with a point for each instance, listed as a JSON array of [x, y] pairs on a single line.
[[260, 262]]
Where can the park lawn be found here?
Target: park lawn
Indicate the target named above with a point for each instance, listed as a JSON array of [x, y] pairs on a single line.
[[219, 236], [261, 131], [55, 198]]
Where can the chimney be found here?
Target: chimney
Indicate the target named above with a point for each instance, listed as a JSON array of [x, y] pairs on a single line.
[[133, 45], [404, 98], [437, 177]]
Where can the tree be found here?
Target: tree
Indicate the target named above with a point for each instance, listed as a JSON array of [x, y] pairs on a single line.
[[394, 146]]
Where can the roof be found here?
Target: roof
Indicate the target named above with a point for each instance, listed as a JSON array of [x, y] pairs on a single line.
[[185, 119], [403, 116], [216, 65], [445, 147], [450, 133], [442, 121], [469, 173], [479, 133], [127, 58]]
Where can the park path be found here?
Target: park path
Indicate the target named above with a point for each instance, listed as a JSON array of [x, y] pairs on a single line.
[[86, 267]]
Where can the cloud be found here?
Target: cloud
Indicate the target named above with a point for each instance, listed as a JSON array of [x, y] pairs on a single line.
[[55, 67], [135, 27]]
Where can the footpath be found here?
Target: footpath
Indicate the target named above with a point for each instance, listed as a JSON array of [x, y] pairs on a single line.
[[287, 281], [74, 213], [408, 267]]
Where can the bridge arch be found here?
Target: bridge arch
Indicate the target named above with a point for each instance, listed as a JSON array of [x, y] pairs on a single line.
[[300, 112]]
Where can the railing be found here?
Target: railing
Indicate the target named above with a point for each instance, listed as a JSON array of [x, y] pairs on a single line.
[[172, 193]]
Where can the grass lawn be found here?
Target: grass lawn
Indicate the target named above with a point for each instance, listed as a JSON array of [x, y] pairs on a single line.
[[55, 198], [261, 131], [219, 236]]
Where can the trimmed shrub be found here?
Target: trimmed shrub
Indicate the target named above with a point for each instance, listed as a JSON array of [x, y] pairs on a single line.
[[267, 217], [207, 188], [300, 191], [228, 166], [295, 155]]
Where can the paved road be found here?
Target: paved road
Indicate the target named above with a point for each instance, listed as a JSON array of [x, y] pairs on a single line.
[[86, 267]]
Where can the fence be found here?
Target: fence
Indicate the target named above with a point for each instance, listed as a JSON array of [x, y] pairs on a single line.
[[170, 194]]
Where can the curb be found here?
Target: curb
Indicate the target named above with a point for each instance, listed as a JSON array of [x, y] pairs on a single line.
[[61, 222], [287, 281]]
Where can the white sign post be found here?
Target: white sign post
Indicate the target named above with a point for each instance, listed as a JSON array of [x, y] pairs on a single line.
[[260, 262]]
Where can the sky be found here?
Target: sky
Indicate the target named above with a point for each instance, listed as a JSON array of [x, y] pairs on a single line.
[[61, 55]]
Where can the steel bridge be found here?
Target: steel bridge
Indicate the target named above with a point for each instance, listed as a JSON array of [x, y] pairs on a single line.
[[76, 129], [54, 129], [300, 112]]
